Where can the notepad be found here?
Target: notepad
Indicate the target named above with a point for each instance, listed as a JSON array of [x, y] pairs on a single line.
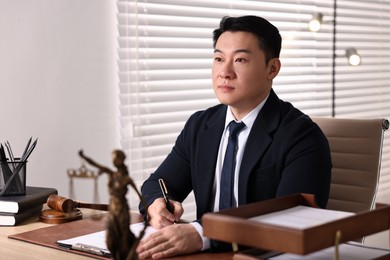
[[301, 217], [96, 242]]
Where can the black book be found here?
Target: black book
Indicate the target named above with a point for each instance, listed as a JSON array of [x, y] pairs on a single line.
[[12, 219], [34, 197]]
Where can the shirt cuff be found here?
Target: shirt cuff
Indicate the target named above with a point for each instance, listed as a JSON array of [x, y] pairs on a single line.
[[205, 240]]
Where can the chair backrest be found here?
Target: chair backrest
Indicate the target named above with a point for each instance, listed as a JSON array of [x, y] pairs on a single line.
[[356, 150]]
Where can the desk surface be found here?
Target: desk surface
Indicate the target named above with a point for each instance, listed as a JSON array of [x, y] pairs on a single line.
[[16, 249]]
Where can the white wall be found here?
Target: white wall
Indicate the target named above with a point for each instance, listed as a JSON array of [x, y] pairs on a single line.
[[58, 82]]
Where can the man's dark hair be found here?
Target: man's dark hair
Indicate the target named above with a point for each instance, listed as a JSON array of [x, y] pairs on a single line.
[[267, 34]]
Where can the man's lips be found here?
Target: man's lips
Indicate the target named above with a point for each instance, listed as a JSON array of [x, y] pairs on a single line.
[[226, 88]]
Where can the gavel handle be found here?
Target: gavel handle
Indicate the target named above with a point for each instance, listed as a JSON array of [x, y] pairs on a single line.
[[66, 205], [92, 206]]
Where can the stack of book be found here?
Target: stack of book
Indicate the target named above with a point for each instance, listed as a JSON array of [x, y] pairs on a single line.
[[15, 209]]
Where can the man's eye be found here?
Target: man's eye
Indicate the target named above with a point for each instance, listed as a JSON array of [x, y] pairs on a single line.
[[240, 60], [217, 59]]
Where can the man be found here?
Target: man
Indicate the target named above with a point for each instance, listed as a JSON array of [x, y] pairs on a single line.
[[280, 151]]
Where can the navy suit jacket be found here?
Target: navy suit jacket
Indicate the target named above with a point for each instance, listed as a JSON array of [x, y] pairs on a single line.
[[286, 153]]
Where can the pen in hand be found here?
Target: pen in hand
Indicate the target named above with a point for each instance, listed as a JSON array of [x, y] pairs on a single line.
[[165, 195]]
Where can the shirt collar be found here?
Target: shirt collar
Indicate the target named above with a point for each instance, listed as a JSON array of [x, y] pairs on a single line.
[[249, 119]]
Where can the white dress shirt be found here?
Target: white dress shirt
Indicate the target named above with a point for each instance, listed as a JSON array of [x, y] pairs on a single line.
[[248, 120]]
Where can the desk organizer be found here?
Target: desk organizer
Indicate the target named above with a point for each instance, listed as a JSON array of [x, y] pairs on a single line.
[[235, 226], [12, 178]]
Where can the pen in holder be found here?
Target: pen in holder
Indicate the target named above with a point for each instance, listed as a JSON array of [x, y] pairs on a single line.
[[13, 170], [12, 178]]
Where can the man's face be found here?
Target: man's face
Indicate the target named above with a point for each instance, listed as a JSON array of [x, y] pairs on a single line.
[[241, 77]]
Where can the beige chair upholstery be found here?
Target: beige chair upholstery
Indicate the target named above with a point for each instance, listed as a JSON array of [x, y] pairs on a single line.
[[356, 148]]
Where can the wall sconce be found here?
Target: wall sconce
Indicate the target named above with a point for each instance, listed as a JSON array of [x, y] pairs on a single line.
[[315, 22], [353, 57]]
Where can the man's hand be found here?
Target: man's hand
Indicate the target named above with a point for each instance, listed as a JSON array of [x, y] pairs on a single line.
[[172, 240], [160, 217]]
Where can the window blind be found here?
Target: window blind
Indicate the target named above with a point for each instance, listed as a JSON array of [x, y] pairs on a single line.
[[364, 91], [165, 56]]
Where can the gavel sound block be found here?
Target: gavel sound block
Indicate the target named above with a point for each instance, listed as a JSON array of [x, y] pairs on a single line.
[[65, 210]]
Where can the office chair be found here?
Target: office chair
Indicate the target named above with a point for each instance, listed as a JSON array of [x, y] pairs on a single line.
[[356, 150]]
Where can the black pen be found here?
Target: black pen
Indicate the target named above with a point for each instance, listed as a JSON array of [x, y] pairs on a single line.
[[164, 192]]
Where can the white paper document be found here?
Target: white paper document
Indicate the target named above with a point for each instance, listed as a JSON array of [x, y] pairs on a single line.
[[97, 240], [301, 217]]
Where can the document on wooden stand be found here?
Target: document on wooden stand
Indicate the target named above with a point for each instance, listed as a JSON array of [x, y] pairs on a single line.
[[292, 224], [301, 217]]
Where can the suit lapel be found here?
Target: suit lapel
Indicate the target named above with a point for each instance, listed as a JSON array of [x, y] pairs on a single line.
[[208, 146], [258, 141]]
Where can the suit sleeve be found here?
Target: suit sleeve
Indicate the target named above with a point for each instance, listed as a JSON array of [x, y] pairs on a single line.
[[307, 163], [175, 170]]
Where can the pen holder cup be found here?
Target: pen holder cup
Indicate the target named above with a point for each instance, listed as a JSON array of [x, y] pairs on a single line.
[[12, 178]]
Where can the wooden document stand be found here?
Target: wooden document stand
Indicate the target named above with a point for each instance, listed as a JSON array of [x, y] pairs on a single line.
[[234, 226]]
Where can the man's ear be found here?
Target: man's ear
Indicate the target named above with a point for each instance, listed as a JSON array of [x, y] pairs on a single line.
[[273, 68]]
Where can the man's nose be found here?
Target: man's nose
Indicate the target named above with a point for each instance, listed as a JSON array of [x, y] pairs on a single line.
[[227, 72]]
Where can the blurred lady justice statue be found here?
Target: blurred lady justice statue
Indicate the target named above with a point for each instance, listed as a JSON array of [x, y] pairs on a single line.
[[119, 239]]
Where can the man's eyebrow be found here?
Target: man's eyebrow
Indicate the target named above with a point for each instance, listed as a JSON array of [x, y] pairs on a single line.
[[236, 51]]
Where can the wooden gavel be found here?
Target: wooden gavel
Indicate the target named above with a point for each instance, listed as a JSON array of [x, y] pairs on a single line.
[[66, 205]]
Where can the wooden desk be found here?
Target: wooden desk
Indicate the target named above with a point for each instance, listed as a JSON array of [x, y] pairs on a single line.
[[15, 249]]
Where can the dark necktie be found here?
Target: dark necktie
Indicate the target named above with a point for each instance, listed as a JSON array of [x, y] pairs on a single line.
[[227, 175]]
